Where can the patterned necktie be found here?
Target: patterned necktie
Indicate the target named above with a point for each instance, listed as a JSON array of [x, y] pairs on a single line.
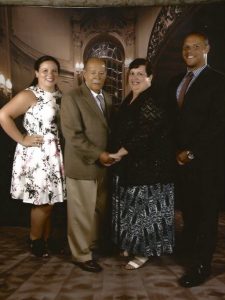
[[184, 87], [101, 102]]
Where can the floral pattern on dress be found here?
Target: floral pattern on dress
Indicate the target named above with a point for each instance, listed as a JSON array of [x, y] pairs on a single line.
[[38, 173]]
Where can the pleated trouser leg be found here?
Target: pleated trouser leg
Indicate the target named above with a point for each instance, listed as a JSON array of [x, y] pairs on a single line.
[[86, 202]]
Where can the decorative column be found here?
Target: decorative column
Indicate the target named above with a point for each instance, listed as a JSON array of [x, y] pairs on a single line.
[[77, 48]]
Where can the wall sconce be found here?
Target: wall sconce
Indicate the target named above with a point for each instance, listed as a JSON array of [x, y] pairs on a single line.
[[127, 62], [79, 66], [2, 81], [5, 88], [8, 85]]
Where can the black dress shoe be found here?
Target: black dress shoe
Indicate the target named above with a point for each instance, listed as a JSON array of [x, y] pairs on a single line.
[[89, 266], [196, 276]]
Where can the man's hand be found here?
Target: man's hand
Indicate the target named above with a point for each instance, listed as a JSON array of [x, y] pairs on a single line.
[[182, 158], [105, 159]]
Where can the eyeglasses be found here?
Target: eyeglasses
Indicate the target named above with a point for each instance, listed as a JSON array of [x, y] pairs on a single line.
[[139, 75]]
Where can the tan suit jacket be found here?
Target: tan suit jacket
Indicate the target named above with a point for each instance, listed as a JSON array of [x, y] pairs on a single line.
[[86, 133]]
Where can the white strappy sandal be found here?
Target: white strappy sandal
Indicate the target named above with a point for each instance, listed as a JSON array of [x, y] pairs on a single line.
[[136, 263]]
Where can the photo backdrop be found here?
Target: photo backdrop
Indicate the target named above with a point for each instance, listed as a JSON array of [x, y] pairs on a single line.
[[117, 34]]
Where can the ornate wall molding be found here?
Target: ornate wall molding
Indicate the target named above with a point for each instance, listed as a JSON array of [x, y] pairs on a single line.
[[101, 3], [103, 22], [165, 19]]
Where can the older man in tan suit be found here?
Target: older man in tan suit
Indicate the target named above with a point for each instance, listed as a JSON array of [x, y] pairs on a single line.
[[85, 114]]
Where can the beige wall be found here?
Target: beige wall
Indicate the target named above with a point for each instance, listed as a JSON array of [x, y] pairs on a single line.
[[145, 22], [38, 31], [55, 24], [46, 30], [41, 31]]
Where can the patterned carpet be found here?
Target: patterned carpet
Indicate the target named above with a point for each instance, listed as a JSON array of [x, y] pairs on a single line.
[[25, 277]]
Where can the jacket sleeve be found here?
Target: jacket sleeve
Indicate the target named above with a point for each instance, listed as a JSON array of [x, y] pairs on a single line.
[[214, 127], [74, 131]]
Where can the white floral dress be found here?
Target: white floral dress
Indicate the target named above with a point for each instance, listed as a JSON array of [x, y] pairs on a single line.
[[38, 173]]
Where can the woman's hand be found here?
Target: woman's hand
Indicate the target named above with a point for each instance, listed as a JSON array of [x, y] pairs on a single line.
[[119, 154], [34, 140], [122, 151], [115, 156]]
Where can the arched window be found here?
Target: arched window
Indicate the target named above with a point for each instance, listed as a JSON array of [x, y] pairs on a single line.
[[113, 55]]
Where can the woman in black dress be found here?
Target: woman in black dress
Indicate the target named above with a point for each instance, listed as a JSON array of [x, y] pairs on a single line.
[[143, 189]]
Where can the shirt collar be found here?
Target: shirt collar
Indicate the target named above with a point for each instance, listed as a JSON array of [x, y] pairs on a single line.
[[96, 94], [197, 71]]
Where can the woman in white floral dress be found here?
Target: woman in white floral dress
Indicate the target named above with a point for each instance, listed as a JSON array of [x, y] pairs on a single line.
[[38, 174]]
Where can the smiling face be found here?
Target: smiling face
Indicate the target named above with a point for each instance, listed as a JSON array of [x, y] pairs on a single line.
[[139, 80], [47, 75], [95, 74], [195, 50]]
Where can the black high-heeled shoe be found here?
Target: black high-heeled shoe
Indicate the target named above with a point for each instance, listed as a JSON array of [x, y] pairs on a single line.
[[38, 248]]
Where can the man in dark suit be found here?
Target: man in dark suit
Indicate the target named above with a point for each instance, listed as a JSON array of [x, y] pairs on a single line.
[[85, 114], [200, 105]]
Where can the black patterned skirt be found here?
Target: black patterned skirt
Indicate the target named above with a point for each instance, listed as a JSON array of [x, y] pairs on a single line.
[[143, 218]]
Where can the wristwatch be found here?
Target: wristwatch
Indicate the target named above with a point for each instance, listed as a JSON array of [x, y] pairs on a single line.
[[190, 155]]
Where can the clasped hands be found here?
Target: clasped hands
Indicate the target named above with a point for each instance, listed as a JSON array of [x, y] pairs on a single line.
[[108, 159]]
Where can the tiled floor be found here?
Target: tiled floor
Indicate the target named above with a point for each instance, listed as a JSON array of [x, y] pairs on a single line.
[[24, 277]]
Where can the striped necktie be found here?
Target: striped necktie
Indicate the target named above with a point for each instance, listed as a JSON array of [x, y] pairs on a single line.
[[184, 87], [101, 102]]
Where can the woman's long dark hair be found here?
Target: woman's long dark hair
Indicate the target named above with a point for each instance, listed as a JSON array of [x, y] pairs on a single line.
[[39, 61]]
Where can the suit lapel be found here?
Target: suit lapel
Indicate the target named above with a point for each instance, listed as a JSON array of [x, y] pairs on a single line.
[[108, 105], [199, 83], [89, 98]]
